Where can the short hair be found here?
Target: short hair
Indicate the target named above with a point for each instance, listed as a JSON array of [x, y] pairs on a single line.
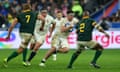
[[44, 10], [71, 13], [59, 11], [26, 6], [68, 12], [86, 13]]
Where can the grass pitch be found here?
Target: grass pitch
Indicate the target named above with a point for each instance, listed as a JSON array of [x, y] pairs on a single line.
[[109, 61]]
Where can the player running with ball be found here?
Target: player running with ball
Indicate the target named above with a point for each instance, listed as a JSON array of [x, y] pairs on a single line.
[[62, 30]]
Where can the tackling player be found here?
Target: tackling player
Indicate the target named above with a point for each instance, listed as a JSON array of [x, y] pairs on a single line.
[[27, 19], [59, 40], [84, 33], [41, 30]]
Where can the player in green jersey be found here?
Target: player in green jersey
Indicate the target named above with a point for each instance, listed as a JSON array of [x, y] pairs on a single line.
[[27, 19], [84, 32]]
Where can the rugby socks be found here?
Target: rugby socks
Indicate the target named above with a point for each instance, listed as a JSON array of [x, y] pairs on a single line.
[[32, 56], [97, 55], [13, 55], [73, 58], [43, 61], [24, 55], [54, 55], [55, 52]]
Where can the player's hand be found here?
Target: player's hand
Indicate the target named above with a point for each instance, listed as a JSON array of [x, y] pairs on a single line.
[[8, 37]]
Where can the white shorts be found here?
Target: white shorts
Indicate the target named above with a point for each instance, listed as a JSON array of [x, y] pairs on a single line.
[[40, 37], [59, 42], [25, 38]]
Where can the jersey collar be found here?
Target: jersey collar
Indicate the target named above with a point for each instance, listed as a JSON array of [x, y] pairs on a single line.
[[85, 17], [26, 10]]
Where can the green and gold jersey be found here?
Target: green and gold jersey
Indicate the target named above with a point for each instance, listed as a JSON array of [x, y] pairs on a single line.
[[27, 20], [84, 29]]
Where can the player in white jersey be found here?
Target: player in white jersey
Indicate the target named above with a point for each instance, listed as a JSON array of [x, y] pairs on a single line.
[[62, 30], [41, 29]]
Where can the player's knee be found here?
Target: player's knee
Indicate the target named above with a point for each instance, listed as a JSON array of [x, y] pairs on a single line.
[[20, 50], [36, 49], [98, 47], [53, 48], [66, 50], [32, 46]]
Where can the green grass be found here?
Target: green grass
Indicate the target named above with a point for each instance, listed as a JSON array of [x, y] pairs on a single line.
[[109, 61]]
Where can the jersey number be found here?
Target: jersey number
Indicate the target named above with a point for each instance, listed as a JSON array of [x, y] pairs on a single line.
[[82, 26], [27, 18]]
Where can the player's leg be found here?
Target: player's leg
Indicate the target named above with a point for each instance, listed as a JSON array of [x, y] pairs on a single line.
[[76, 54], [54, 41], [54, 55], [25, 55], [25, 39], [54, 44], [38, 44], [64, 46], [14, 54], [32, 44], [63, 50], [98, 53], [47, 55], [34, 51]]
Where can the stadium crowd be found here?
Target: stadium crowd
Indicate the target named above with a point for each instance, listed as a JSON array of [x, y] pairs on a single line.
[[115, 17], [10, 8]]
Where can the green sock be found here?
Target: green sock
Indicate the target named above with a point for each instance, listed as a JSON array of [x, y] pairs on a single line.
[[73, 58], [97, 55], [24, 54], [13, 55]]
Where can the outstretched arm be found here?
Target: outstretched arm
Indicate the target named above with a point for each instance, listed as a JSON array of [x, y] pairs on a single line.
[[52, 27], [11, 27], [99, 28]]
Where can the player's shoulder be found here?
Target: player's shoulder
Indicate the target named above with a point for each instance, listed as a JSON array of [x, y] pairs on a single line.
[[61, 20], [49, 16], [90, 19], [75, 20], [65, 19]]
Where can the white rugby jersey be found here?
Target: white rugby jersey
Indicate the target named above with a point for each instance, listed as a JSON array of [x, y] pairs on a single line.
[[68, 23], [58, 25], [48, 21]]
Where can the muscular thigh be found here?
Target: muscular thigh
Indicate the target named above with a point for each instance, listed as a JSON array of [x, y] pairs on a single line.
[[40, 37], [64, 43], [89, 44], [55, 41], [25, 38]]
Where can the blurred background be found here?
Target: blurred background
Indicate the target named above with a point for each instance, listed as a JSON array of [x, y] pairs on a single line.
[[105, 12]]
